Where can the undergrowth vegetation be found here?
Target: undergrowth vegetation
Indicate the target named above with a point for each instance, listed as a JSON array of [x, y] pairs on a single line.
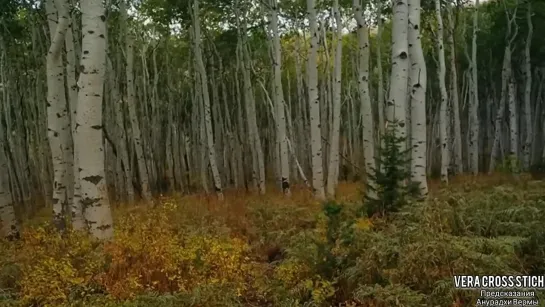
[[257, 251]]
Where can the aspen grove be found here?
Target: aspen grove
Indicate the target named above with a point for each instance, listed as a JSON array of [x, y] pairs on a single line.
[[116, 104]]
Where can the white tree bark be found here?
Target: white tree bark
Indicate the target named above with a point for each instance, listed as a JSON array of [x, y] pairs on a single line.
[[457, 129], [333, 166], [505, 94], [365, 98], [443, 120], [513, 125], [474, 101], [527, 147], [397, 99], [89, 123], [279, 100], [254, 141], [131, 106], [122, 150], [78, 222], [57, 112], [418, 78], [256, 150], [314, 105], [380, 94], [201, 69]]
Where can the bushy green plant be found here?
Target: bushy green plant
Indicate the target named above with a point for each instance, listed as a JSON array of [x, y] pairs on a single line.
[[390, 180], [510, 165], [532, 253]]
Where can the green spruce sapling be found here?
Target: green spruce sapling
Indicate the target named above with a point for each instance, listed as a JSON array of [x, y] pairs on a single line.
[[391, 177]]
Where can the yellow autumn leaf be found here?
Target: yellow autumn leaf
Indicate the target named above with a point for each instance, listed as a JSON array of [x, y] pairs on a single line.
[[363, 224]]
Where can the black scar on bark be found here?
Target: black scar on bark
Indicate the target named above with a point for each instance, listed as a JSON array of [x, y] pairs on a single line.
[[93, 179], [104, 227], [14, 234], [96, 127], [285, 184], [87, 202], [217, 189]]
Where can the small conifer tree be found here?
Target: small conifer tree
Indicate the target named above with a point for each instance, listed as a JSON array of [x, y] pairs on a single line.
[[390, 177]]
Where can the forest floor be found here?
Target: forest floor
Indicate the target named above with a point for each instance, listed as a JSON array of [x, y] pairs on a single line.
[[256, 250]]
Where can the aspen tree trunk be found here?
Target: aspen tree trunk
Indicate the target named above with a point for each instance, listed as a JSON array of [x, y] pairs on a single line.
[[69, 148], [89, 121], [365, 98], [513, 125], [78, 221], [57, 113], [458, 161], [443, 120], [254, 141], [333, 170], [240, 135], [290, 135], [418, 86], [325, 88], [204, 160], [506, 75], [201, 69], [397, 99], [474, 100], [39, 128], [253, 130], [314, 106], [216, 114], [122, 149], [279, 100], [303, 122], [76, 31], [380, 94], [527, 147], [131, 105]]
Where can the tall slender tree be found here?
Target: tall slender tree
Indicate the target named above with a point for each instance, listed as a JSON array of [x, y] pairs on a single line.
[[364, 95], [314, 104], [418, 86], [333, 166], [90, 125]]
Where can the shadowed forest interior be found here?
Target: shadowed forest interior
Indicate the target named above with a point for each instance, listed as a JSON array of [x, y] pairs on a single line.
[[268, 152]]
